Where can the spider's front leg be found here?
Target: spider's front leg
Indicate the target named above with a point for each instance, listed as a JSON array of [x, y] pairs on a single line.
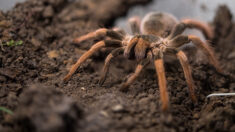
[[116, 42], [90, 52], [102, 32], [139, 46]]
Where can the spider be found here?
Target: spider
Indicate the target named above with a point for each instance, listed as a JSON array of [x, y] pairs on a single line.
[[157, 35]]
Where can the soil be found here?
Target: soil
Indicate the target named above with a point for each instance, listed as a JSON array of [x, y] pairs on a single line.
[[31, 75]]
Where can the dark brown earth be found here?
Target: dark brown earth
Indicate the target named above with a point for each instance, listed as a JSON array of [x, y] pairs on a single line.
[[31, 75]]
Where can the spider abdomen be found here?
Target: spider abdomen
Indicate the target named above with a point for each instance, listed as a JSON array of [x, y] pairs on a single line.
[[158, 23]]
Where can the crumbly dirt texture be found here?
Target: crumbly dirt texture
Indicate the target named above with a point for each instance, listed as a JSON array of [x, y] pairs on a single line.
[[31, 75]]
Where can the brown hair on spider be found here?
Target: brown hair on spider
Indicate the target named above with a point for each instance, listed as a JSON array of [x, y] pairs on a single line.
[[156, 35]]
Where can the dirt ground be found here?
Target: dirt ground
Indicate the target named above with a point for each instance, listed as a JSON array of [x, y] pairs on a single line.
[[31, 75]]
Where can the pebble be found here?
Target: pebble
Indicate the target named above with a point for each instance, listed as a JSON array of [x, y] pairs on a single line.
[[53, 54], [231, 55], [144, 101], [118, 108], [104, 113], [82, 88]]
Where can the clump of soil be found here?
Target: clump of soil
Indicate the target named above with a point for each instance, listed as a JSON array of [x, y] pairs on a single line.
[[45, 109], [217, 115], [47, 28]]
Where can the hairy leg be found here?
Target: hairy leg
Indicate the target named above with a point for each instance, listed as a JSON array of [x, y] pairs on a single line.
[[187, 73], [102, 32], [205, 28], [181, 40], [190, 23], [90, 52], [162, 83], [108, 59], [186, 68], [140, 49], [207, 50], [135, 24], [159, 66], [130, 46], [142, 64]]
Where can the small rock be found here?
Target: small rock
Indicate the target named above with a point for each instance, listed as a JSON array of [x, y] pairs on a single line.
[[82, 88], [53, 54], [231, 55], [118, 108], [104, 113], [144, 101]]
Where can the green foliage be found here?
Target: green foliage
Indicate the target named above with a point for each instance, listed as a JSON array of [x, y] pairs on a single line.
[[13, 43], [6, 110]]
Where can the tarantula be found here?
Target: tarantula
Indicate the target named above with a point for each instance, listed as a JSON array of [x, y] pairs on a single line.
[[158, 34]]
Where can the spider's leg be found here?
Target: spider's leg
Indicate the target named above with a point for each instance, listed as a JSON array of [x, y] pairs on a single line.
[[90, 52], [132, 78], [159, 66], [142, 64], [102, 32], [119, 30], [108, 59], [187, 70], [178, 41], [205, 28], [207, 49], [190, 23], [135, 24], [140, 49], [187, 73], [130, 46]]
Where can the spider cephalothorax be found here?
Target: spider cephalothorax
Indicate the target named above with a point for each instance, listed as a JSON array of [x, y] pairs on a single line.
[[156, 35]]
